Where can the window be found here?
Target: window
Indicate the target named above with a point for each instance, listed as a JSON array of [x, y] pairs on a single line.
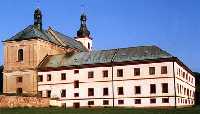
[[63, 76], [152, 88], [19, 91], [184, 91], [105, 102], [63, 93], [40, 78], [49, 77], [19, 79], [152, 101], [88, 45], [91, 74], [90, 91], [76, 94], [178, 91], [137, 101], [105, 91], [49, 93], [90, 102], [183, 74], [164, 87], [151, 70], [76, 71], [40, 93], [137, 90], [120, 91], [164, 70], [186, 76], [187, 92], [20, 55], [105, 73], [120, 101], [120, 73], [165, 100], [76, 84], [136, 71]]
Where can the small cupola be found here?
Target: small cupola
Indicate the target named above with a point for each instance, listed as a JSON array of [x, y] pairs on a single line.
[[83, 31], [83, 34], [38, 19]]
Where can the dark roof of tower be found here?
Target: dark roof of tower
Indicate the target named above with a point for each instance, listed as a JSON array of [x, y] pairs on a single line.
[[106, 56], [31, 32], [83, 31]]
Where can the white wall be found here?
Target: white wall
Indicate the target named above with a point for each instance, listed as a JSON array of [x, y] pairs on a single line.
[[188, 83], [85, 42], [128, 82]]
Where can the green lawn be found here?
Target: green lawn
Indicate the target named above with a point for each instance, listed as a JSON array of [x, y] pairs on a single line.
[[193, 110]]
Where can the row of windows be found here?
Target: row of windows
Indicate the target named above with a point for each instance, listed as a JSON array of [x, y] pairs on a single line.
[[185, 101], [184, 91], [120, 73], [120, 90], [136, 101], [121, 102], [184, 75]]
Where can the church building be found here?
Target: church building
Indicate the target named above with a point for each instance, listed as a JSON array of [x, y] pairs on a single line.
[[48, 63]]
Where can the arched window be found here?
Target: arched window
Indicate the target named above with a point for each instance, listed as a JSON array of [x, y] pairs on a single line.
[[88, 45], [20, 55]]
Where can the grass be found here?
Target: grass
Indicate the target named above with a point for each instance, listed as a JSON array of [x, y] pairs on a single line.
[[53, 110]]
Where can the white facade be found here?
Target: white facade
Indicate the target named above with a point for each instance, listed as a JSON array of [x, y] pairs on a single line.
[[145, 97], [86, 41]]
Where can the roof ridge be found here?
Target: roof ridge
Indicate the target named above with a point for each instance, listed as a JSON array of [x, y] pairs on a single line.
[[51, 31]]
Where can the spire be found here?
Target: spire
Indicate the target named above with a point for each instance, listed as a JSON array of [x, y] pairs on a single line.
[[83, 31], [38, 19]]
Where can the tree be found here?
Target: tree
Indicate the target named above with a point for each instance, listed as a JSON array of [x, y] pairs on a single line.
[[197, 83]]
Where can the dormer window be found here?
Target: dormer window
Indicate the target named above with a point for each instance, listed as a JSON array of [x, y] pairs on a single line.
[[20, 55]]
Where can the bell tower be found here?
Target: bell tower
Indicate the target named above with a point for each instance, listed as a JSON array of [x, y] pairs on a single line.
[[38, 19], [83, 34]]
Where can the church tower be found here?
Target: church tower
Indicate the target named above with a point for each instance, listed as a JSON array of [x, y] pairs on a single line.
[[83, 34], [23, 53]]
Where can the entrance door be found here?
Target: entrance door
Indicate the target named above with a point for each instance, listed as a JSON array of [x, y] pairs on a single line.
[[19, 91], [76, 105]]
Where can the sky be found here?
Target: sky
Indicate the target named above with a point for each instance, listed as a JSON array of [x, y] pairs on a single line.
[[173, 25]]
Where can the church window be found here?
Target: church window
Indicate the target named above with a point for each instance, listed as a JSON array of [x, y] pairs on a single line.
[[164, 87], [63, 93], [136, 71], [164, 70], [20, 55], [63, 76], [49, 77], [40, 78], [88, 45], [137, 90], [152, 88], [90, 91], [48, 93], [151, 70], [19, 79], [76, 84], [120, 91], [91, 74], [120, 73]]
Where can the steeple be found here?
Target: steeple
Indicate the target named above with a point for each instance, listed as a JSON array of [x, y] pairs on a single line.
[[83, 31], [38, 19]]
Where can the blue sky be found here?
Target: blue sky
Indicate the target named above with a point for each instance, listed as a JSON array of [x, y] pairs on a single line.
[[173, 25]]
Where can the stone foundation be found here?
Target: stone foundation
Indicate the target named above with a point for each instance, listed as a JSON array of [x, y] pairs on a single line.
[[17, 101]]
